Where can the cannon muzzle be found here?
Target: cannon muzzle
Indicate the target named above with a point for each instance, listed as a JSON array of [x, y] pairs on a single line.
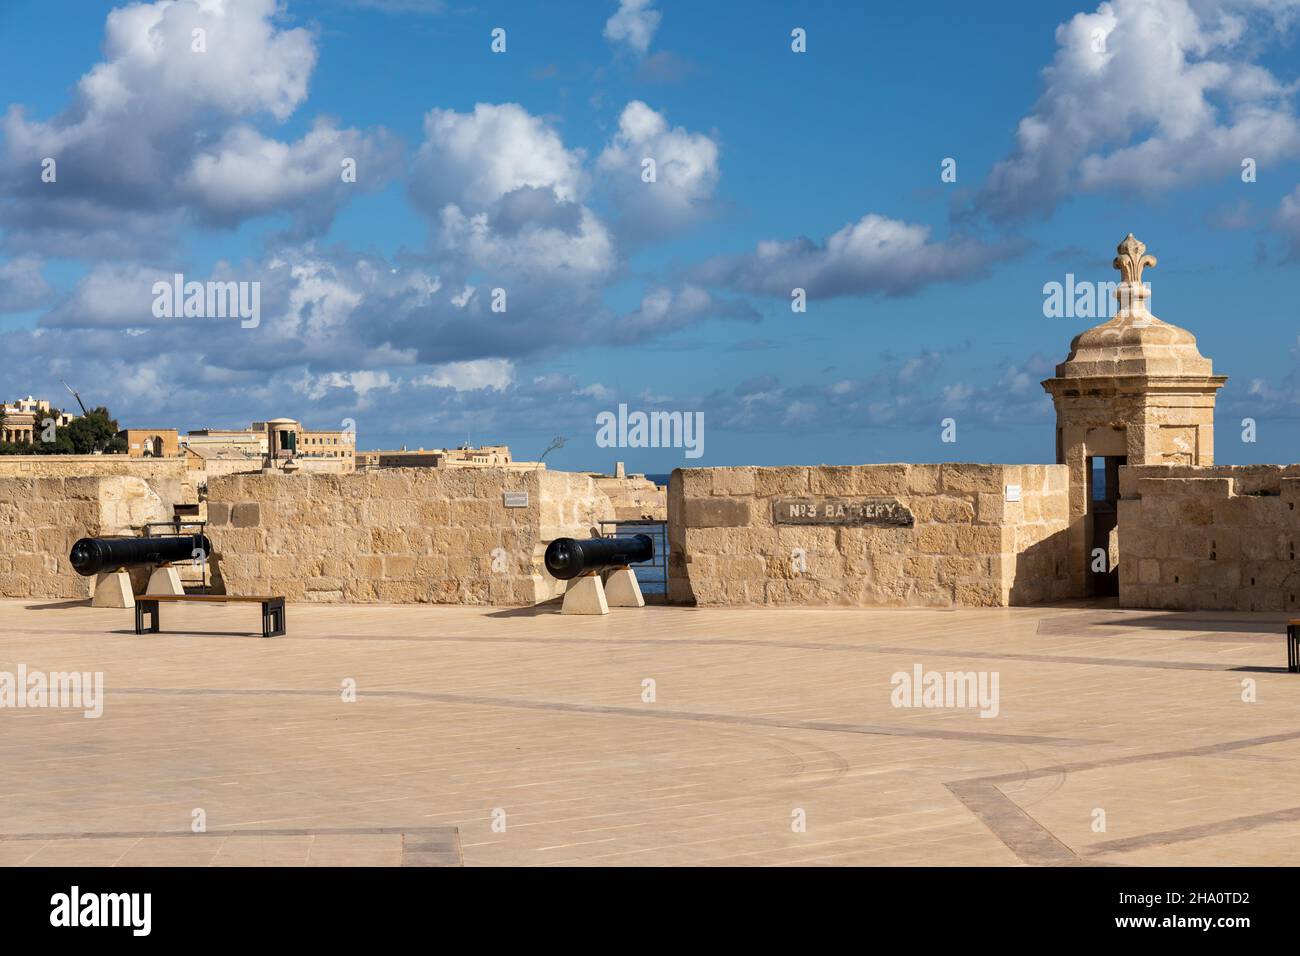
[[97, 555], [567, 557]]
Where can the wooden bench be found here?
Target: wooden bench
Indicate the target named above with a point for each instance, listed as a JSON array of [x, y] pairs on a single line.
[[272, 609], [1292, 647]]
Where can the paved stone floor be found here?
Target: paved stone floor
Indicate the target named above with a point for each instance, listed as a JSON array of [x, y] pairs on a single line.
[[489, 737]]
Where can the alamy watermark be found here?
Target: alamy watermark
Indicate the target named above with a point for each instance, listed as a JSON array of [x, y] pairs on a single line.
[[74, 908], [946, 689], [1083, 299], [179, 299], [651, 430], [37, 689]]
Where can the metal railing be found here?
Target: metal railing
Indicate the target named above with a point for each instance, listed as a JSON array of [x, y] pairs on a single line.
[[176, 524], [652, 575]]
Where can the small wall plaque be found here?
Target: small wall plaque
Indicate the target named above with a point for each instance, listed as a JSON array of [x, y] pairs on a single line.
[[1013, 492], [852, 512], [515, 499]]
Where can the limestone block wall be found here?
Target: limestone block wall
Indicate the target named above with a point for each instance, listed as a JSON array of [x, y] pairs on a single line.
[[89, 466], [168, 477], [41, 518], [205, 468], [397, 535], [327, 466], [969, 546], [1218, 538]]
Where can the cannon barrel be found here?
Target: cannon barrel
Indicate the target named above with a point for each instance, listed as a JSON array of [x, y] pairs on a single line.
[[567, 557], [97, 555]]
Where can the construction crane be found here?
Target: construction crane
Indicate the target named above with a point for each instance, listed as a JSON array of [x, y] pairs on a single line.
[[77, 397]]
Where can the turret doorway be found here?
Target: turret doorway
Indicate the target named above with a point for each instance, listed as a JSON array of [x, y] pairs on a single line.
[[1102, 523]]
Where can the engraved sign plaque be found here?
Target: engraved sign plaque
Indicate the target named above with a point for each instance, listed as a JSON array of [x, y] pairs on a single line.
[[847, 512]]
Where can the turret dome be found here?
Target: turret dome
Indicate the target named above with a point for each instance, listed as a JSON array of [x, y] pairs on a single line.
[[1134, 342]]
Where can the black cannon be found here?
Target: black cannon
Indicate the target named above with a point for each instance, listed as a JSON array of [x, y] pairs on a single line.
[[98, 555], [567, 557]]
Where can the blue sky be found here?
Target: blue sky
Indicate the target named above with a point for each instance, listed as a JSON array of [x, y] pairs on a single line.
[[521, 170]]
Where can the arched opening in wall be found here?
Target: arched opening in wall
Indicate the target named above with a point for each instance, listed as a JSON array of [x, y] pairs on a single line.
[[1103, 524]]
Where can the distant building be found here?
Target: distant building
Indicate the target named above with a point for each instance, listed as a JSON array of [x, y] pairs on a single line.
[[487, 456], [272, 443], [151, 442], [214, 460], [18, 427], [286, 438], [245, 442], [24, 418]]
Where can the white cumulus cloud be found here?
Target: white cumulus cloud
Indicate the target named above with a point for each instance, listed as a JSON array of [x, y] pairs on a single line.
[[161, 132], [472, 375], [874, 254], [1148, 95], [634, 23], [686, 173]]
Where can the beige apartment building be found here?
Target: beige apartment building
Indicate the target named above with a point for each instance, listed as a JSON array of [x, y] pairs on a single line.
[[276, 438], [287, 438], [23, 418]]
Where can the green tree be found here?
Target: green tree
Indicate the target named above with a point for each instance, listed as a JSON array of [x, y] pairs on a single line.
[[50, 440], [94, 431]]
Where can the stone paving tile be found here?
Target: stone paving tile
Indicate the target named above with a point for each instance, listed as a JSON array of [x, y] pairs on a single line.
[[465, 712], [81, 852], [186, 850], [19, 852]]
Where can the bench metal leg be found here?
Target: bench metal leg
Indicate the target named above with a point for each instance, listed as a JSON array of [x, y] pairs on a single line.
[[1292, 650], [142, 608], [273, 618]]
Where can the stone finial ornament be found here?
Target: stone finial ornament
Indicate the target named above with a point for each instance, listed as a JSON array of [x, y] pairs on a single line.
[[1132, 259], [1134, 342]]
